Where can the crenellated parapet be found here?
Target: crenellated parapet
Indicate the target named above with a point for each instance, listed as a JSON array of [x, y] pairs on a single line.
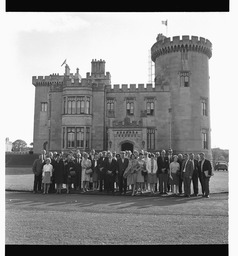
[[47, 80], [165, 45], [127, 88]]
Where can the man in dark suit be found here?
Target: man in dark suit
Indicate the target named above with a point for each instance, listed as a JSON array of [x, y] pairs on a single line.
[[78, 169], [180, 179], [110, 174], [187, 175], [195, 174], [205, 172], [102, 170], [162, 172], [122, 164]]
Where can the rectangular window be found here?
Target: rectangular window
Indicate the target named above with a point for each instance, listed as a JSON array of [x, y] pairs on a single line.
[[80, 137], [184, 78], [65, 106], [150, 107], [87, 137], [130, 108], [110, 108], [70, 137], [151, 138], [63, 137], [87, 109], [205, 139], [204, 107], [44, 106], [80, 105], [70, 105]]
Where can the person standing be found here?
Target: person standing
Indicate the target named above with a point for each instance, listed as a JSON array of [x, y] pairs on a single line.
[[140, 177], [102, 170], [187, 175], [86, 170], [46, 175], [205, 167], [157, 154], [170, 159], [130, 173], [195, 174], [180, 179], [78, 169], [144, 173], [59, 173], [71, 174], [52, 184], [95, 172], [122, 165], [37, 170], [163, 167], [151, 167], [111, 168], [174, 169]]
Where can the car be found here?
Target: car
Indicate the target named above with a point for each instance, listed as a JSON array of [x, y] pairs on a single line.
[[221, 165]]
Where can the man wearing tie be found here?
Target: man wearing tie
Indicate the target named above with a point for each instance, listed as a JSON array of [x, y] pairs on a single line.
[[111, 168], [78, 169], [163, 167], [187, 175], [205, 172], [122, 164], [195, 174]]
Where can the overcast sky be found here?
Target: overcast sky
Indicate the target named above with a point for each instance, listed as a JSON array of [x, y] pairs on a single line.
[[37, 44]]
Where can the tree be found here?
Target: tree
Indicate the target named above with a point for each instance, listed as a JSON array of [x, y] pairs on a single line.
[[18, 145]]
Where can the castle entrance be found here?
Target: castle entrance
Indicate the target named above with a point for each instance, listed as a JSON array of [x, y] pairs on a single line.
[[127, 146]]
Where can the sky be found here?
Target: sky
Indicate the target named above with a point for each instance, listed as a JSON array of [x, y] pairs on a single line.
[[36, 44]]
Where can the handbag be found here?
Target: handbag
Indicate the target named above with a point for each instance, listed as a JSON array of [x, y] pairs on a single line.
[[88, 171]]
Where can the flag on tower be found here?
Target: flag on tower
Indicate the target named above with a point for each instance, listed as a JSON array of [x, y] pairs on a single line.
[[165, 22], [63, 62]]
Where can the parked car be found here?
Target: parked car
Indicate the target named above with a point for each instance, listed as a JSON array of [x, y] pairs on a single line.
[[221, 165]]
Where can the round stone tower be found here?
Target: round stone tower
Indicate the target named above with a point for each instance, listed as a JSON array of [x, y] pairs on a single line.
[[183, 65]]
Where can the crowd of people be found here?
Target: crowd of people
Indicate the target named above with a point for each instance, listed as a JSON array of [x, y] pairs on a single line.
[[136, 172]]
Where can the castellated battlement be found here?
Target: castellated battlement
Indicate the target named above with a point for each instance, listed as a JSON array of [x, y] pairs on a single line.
[[135, 88], [165, 45], [47, 80]]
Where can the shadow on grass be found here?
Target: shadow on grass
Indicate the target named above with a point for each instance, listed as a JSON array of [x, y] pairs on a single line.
[[86, 200]]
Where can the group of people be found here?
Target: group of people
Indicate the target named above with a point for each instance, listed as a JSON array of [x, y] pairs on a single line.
[[111, 172]]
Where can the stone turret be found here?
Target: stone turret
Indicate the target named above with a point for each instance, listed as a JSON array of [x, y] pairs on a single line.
[[182, 64]]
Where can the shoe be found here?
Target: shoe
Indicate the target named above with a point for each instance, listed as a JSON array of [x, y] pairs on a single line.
[[207, 196]]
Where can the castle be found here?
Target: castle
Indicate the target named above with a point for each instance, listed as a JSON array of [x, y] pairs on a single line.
[[73, 112]]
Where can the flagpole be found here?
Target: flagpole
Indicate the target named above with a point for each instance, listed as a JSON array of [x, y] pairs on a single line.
[[166, 28]]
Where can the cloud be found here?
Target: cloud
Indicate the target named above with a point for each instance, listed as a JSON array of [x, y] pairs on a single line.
[[44, 22]]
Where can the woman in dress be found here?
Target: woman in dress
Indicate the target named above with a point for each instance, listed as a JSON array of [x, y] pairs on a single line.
[[71, 173], [173, 174], [151, 167], [140, 177], [59, 173], [46, 175], [131, 173], [86, 170]]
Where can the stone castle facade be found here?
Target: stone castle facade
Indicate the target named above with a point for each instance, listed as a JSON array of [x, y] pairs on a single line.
[[73, 112]]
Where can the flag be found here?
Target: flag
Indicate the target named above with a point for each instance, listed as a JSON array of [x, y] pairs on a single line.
[[63, 62], [165, 22]]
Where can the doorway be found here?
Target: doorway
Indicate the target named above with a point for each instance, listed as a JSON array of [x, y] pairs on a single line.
[[127, 146]]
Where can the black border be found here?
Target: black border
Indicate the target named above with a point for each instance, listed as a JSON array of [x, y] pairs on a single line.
[[117, 6]]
